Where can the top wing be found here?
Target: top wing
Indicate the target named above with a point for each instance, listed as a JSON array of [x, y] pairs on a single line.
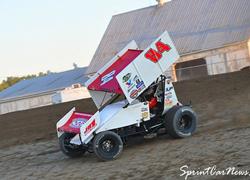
[[147, 67]]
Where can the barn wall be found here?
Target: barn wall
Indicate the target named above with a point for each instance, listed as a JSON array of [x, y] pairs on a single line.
[[248, 44], [213, 52], [43, 99], [25, 103], [70, 94], [221, 60], [229, 61]]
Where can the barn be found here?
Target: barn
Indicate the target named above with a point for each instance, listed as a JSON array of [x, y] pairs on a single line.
[[212, 36], [46, 90]]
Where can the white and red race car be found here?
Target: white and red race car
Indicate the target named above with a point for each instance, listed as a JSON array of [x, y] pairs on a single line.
[[133, 97]]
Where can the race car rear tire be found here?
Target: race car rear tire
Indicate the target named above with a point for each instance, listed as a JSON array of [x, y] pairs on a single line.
[[180, 121], [69, 149], [107, 145]]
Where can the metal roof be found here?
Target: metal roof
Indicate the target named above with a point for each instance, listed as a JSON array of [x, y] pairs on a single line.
[[45, 84], [194, 25]]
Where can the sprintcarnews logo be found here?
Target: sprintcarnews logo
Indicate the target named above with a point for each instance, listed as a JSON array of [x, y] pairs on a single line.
[[212, 171]]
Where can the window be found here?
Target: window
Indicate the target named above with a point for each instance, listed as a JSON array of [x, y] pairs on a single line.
[[191, 69]]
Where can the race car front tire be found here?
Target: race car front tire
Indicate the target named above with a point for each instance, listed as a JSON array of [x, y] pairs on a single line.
[[180, 121], [69, 149], [107, 145]]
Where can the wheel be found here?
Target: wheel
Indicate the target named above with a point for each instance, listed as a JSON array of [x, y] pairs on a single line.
[[107, 145], [69, 149], [180, 121]]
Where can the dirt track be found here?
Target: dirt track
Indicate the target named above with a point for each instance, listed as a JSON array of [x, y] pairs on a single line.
[[222, 139]]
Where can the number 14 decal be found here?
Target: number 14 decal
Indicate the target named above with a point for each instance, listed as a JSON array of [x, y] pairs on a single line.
[[156, 55]]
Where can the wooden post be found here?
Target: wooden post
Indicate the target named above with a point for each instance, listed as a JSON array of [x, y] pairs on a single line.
[[174, 77], [248, 44]]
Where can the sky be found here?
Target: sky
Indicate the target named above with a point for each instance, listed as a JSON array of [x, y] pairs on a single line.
[[41, 35]]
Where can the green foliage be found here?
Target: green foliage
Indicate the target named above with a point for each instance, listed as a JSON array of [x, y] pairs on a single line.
[[13, 80]]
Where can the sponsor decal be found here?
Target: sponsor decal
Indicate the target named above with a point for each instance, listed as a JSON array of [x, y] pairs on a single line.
[[137, 79], [131, 87], [136, 87], [139, 83], [90, 127], [108, 77], [144, 109], [168, 93], [128, 82], [155, 55], [168, 102], [78, 122], [144, 113], [169, 88], [134, 94], [126, 77], [168, 98], [140, 86]]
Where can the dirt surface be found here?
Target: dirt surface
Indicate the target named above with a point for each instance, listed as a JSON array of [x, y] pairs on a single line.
[[29, 148], [37, 124]]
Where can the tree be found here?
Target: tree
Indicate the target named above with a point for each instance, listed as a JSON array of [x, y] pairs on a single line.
[[14, 79]]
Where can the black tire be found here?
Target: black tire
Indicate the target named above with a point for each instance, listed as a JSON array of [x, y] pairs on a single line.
[[69, 149], [180, 121], [107, 145]]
